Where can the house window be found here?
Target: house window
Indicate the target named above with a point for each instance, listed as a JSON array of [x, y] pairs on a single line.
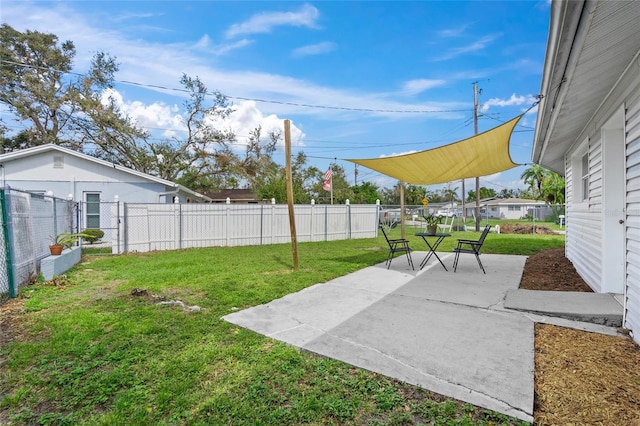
[[92, 210], [584, 176], [514, 208], [58, 162]]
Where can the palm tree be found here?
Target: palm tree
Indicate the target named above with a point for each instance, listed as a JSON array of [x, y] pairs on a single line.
[[534, 177]]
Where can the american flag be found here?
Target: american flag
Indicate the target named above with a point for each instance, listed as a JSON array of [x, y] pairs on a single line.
[[328, 174], [327, 180]]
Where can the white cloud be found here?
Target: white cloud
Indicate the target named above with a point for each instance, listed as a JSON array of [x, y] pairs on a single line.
[[266, 21], [167, 119], [452, 32], [473, 47], [314, 49], [413, 87], [512, 101], [162, 65], [248, 117]]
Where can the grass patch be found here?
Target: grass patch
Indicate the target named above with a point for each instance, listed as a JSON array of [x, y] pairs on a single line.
[[98, 349]]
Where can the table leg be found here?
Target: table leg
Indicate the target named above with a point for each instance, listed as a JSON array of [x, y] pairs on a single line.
[[432, 251]]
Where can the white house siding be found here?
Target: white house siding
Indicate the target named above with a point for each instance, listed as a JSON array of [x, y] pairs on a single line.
[[632, 135], [584, 238]]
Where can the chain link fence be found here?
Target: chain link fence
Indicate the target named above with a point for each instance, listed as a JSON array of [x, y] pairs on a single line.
[[30, 222]]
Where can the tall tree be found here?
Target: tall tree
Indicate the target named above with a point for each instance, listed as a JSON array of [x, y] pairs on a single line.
[[36, 87], [484, 193], [365, 193], [533, 177]]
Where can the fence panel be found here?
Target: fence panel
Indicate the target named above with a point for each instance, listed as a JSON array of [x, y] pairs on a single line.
[[146, 227], [32, 220]]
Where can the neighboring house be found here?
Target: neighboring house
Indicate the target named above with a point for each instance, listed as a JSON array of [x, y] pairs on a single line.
[[235, 196], [70, 174], [509, 208], [588, 129]]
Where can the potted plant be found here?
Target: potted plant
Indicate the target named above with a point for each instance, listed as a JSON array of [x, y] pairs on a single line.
[[62, 241], [432, 222]]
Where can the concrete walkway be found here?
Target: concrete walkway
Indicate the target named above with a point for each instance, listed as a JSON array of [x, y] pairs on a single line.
[[446, 332]]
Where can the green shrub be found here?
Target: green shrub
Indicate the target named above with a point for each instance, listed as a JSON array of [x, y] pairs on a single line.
[[92, 235]]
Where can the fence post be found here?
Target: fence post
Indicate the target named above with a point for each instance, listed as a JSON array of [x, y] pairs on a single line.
[[125, 228], [227, 221], [177, 223], [348, 204], [273, 219], [326, 222], [311, 233], [261, 222], [7, 245], [117, 200]]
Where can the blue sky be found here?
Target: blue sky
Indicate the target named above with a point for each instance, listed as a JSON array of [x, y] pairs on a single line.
[[356, 79]]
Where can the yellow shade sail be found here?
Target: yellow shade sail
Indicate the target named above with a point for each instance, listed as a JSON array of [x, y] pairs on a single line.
[[480, 155]]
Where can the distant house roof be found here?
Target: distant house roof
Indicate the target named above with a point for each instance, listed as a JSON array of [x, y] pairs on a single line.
[[23, 153], [506, 202], [234, 195]]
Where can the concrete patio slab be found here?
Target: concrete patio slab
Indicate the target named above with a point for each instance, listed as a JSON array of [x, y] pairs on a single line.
[[448, 332]]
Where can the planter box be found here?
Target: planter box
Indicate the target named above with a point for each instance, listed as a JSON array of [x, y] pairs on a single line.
[[51, 266]]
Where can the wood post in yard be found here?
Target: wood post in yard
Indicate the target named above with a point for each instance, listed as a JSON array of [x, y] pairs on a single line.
[[289, 178]]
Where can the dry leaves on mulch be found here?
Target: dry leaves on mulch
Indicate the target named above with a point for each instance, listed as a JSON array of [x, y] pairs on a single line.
[[581, 378], [585, 378]]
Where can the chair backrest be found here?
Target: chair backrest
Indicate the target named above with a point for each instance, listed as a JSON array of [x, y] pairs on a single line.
[[385, 234], [484, 234]]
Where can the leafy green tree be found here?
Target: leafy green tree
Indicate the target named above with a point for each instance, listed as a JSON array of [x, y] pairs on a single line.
[[413, 194], [509, 193], [273, 184], [553, 190], [435, 196], [35, 88], [533, 177], [484, 193], [450, 194], [366, 193], [390, 196], [19, 141], [77, 113]]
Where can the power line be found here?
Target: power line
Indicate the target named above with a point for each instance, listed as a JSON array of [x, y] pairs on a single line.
[[269, 101]]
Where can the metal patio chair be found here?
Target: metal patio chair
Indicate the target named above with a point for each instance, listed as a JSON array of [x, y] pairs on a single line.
[[471, 247], [397, 245]]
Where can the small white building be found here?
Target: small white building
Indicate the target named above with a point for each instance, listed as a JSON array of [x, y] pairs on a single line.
[[70, 174], [509, 208], [588, 129]]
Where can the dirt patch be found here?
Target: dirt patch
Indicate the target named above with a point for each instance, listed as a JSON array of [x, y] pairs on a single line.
[[551, 270], [523, 228], [580, 377]]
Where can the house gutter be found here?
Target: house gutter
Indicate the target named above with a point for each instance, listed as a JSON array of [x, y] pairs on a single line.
[[574, 39], [162, 194]]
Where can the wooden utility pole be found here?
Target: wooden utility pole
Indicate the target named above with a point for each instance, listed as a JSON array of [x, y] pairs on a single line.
[[475, 130], [289, 178]]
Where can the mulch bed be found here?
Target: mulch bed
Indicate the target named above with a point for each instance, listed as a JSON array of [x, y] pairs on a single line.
[[581, 378], [585, 378]]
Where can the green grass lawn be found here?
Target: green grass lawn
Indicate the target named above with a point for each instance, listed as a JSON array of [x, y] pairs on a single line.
[[87, 351]]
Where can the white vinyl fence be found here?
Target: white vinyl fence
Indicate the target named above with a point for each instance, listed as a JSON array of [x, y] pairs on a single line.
[[149, 227]]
